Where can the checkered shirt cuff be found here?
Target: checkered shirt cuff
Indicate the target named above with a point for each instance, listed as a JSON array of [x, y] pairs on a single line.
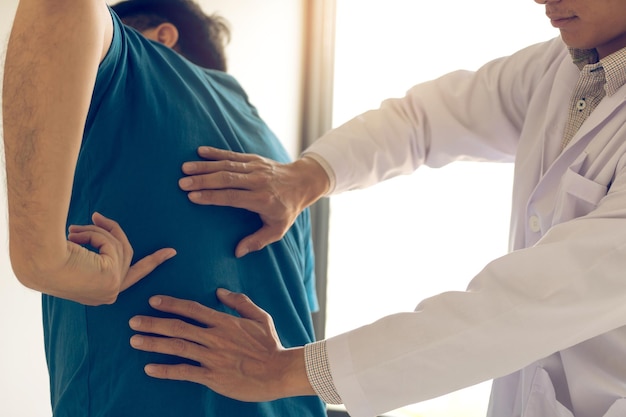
[[318, 372]]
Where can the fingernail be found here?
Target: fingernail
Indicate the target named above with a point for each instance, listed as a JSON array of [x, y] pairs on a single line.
[[136, 341], [156, 301], [223, 291], [150, 369], [135, 322], [185, 182], [194, 195]]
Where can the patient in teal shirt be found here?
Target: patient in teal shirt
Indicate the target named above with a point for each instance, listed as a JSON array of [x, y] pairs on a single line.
[[151, 108]]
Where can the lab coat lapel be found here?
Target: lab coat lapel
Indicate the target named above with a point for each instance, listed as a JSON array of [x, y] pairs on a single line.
[[564, 83]]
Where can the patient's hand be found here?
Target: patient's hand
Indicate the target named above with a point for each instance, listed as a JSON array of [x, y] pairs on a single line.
[[95, 278]]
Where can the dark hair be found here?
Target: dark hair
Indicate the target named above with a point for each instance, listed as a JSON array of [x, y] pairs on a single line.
[[202, 38]]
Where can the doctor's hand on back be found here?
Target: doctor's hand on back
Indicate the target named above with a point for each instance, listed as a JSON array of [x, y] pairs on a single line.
[[239, 357], [277, 192]]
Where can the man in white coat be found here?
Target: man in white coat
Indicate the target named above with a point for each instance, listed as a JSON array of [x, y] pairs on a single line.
[[546, 321]]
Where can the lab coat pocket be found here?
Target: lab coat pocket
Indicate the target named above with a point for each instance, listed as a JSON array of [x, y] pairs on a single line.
[[577, 195], [542, 398]]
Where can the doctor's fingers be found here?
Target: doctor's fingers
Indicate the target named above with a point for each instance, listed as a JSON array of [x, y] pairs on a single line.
[[221, 161], [252, 174], [221, 330], [210, 347], [172, 328], [254, 327], [189, 309], [212, 174], [256, 201], [257, 181], [253, 334], [171, 346], [181, 372], [216, 154]]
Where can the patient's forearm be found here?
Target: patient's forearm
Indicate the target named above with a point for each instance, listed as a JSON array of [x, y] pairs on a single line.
[[51, 64]]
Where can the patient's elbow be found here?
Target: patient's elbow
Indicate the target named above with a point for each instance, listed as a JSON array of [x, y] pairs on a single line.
[[26, 273], [34, 268]]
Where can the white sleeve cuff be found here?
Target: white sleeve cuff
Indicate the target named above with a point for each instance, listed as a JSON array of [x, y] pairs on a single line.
[[332, 181]]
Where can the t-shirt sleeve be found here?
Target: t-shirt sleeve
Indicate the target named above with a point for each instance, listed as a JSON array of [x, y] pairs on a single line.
[[111, 67]]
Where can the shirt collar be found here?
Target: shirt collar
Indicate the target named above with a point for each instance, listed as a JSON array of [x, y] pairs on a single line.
[[614, 66]]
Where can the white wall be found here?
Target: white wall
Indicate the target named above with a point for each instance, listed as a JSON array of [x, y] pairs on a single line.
[[265, 55]]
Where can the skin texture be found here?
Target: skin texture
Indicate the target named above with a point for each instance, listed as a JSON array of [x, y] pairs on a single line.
[[48, 82]]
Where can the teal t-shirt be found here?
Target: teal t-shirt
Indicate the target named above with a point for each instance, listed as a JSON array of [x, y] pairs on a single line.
[[150, 111]]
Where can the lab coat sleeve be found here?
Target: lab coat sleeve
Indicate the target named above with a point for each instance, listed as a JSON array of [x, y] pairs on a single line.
[[524, 306], [460, 116]]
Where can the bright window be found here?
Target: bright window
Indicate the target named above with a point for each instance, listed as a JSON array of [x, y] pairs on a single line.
[[396, 243]]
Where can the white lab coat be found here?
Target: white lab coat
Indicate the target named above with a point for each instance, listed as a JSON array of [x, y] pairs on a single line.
[[546, 320]]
